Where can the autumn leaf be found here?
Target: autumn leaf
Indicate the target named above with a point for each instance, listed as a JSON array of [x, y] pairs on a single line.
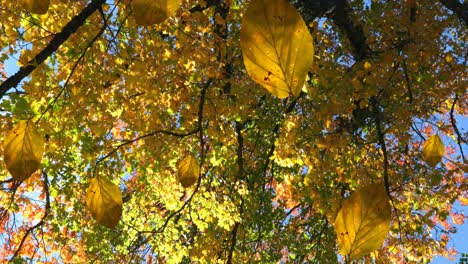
[[23, 151], [35, 6], [149, 12], [277, 46], [433, 150], [188, 171], [363, 221], [104, 200]]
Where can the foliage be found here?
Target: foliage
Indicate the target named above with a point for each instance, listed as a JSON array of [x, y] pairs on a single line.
[[232, 131]]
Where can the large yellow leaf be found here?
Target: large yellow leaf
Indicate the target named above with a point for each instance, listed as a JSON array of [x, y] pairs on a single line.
[[363, 221], [149, 12], [433, 150], [277, 46], [35, 6], [23, 151], [104, 200], [188, 171]]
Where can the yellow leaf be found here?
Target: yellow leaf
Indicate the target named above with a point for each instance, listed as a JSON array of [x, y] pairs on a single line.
[[149, 12], [188, 171], [433, 150], [35, 6], [363, 221], [277, 46], [367, 65], [448, 58], [104, 200], [23, 151]]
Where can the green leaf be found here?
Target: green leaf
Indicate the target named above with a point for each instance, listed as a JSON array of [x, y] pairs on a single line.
[[433, 150], [363, 221], [24, 147], [188, 171], [276, 46], [149, 12], [104, 200]]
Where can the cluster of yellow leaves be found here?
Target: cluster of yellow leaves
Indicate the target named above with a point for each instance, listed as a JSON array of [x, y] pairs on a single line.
[[278, 53]]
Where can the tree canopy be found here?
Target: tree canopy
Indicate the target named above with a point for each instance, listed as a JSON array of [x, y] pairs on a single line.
[[227, 131]]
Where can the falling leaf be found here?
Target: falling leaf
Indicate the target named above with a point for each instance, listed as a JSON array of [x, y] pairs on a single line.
[[35, 6], [149, 12], [277, 46], [448, 58], [188, 171], [433, 150], [367, 65], [104, 200], [363, 221], [23, 151]]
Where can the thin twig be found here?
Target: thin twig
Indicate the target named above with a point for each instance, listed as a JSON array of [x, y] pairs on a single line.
[[41, 222], [200, 130], [130, 141], [460, 139], [408, 82], [381, 138], [88, 46]]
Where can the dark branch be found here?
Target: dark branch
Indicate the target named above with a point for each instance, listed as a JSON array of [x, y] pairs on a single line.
[[460, 138], [128, 142], [354, 32], [340, 12], [200, 130], [52, 47], [458, 8], [41, 222], [240, 176]]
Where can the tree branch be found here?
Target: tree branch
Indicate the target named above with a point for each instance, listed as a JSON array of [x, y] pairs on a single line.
[[52, 47], [354, 32], [90, 44], [240, 175], [200, 130], [458, 8], [128, 142], [41, 222], [460, 138]]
